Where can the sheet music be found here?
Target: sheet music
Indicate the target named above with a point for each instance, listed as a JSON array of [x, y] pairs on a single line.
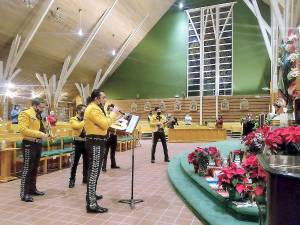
[[132, 124]]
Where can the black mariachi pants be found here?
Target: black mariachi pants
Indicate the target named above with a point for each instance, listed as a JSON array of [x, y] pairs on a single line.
[[78, 150], [156, 136], [95, 147], [31, 156], [112, 144]]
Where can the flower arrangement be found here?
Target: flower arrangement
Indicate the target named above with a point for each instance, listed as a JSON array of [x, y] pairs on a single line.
[[284, 140], [257, 174], [200, 159], [233, 179], [255, 140], [215, 155]]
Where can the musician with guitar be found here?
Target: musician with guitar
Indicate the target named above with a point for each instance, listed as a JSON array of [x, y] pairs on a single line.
[[77, 124], [33, 131], [158, 123]]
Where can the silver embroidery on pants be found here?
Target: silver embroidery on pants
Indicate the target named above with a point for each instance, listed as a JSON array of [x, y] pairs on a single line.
[[25, 175]]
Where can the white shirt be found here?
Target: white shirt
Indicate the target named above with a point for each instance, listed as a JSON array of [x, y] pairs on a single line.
[[188, 120]]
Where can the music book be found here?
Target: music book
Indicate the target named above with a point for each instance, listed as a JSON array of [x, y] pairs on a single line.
[[134, 120]]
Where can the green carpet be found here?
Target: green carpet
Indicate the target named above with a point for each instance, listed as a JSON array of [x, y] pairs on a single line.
[[206, 206]]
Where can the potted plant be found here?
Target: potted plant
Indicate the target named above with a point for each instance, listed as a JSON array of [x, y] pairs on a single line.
[[258, 176], [255, 141], [215, 155], [284, 141], [233, 179], [200, 159]]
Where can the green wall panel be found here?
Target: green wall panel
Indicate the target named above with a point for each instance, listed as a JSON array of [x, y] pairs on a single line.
[[156, 68]]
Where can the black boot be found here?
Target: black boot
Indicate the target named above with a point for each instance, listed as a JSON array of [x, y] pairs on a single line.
[[71, 183], [36, 193], [27, 198], [96, 209]]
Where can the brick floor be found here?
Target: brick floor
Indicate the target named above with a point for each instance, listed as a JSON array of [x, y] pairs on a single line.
[[62, 205]]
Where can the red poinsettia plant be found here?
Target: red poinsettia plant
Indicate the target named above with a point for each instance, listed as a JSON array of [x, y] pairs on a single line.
[[215, 155], [255, 140], [200, 159], [232, 178], [257, 174], [285, 140]]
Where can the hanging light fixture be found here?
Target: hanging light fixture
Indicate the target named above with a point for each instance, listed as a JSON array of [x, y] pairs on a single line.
[[80, 33]]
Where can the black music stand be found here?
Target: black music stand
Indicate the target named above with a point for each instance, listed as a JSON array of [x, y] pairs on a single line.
[[129, 131]]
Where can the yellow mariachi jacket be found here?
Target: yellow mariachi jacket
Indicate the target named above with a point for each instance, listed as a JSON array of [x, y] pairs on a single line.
[[29, 124], [95, 122], [76, 125], [154, 121]]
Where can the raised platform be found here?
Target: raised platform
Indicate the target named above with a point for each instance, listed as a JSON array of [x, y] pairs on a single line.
[[207, 205]]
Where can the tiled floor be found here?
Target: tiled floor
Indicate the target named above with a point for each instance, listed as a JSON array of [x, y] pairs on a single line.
[[62, 205]]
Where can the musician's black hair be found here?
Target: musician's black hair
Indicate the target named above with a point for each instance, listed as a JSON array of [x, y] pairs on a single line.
[[156, 108], [95, 93], [37, 101], [79, 107]]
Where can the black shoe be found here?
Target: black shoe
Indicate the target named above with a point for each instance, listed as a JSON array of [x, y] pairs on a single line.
[[36, 193], [71, 183], [27, 198], [96, 209], [98, 197], [115, 167], [152, 161], [167, 160], [104, 169]]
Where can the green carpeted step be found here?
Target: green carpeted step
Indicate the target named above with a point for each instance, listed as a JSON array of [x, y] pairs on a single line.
[[250, 213], [199, 201]]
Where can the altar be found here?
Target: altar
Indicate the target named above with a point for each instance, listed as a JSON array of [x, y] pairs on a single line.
[[185, 135]]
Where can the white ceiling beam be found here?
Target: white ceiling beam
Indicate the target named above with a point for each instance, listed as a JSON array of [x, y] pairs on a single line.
[[67, 70], [38, 21], [262, 29], [92, 36], [97, 79], [120, 52], [265, 24], [279, 17]]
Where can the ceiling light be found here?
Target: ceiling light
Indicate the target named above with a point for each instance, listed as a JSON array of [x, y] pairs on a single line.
[[80, 33], [180, 5], [113, 52], [11, 85]]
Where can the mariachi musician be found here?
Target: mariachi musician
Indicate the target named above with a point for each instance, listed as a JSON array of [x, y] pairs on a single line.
[[77, 124], [33, 131], [96, 124], [157, 123]]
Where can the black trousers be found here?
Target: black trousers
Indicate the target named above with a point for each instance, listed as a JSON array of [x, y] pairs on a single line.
[[78, 150], [95, 148], [31, 155], [112, 145], [156, 136]]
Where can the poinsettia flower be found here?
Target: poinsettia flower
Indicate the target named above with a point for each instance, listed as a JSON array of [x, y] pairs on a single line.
[[240, 188], [259, 190]]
